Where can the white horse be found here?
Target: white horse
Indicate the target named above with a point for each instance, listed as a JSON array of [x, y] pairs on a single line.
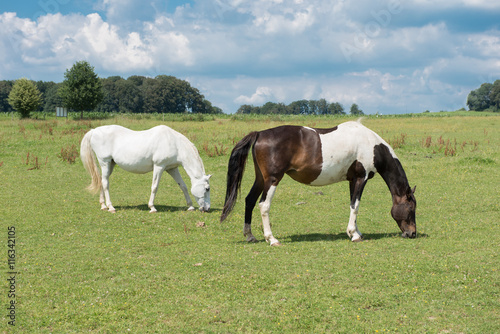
[[157, 149]]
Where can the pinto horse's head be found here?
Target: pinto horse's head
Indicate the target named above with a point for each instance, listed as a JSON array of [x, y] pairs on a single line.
[[201, 191], [403, 212]]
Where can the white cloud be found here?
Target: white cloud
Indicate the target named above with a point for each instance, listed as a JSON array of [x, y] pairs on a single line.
[[261, 95], [168, 47], [91, 38], [288, 21], [486, 44]]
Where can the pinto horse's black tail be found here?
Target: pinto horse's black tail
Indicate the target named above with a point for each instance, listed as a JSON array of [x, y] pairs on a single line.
[[235, 169]]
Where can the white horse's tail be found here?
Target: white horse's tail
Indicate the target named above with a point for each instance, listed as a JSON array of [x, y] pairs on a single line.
[[88, 160]]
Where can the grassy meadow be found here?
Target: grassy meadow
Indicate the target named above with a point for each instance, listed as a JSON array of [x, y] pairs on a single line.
[[80, 269]]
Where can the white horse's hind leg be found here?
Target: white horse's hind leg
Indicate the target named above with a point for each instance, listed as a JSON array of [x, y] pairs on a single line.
[[106, 170], [157, 171], [265, 207], [352, 227], [102, 200], [178, 178]]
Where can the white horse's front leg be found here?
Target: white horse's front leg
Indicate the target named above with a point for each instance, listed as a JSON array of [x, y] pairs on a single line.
[[176, 175], [352, 227], [157, 171], [265, 207]]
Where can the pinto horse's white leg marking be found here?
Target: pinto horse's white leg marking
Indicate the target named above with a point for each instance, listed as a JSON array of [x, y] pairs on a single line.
[[157, 171], [247, 232], [352, 227], [178, 178], [265, 207]]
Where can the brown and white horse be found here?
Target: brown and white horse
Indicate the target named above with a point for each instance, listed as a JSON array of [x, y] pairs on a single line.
[[318, 157]]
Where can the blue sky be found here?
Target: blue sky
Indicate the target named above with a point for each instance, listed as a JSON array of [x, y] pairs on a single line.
[[389, 56]]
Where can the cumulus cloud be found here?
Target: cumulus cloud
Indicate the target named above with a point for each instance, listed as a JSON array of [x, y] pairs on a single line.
[[89, 37], [261, 95], [486, 44]]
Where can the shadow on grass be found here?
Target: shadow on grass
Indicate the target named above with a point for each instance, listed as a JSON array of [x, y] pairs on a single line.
[[160, 208], [144, 207], [311, 237]]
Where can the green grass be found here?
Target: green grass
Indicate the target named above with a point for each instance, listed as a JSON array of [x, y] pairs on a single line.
[[84, 270]]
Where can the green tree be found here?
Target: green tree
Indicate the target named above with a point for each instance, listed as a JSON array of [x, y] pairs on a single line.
[[336, 109], [47, 88], [25, 97], [321, 107], [355, 110], [245, 109], [52, 98], [82, 89], [120, 95], [269, 108], [495, 95], [479, 99], [111, 100], [130, 96], [167, 94], [299, 107], [5, 88]]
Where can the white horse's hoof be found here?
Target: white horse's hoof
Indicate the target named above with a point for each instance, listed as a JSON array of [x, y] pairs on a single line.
[[277, 244], [359, 239], [153, 211], [191, 208], [112, 210]]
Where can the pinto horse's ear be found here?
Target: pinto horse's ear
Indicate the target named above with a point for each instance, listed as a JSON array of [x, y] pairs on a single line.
[[410, 192]]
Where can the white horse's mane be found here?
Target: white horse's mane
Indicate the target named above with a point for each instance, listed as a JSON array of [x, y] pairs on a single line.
[[197, 155]]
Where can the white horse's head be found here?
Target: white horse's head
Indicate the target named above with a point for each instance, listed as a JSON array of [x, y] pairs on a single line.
[[201, 191]]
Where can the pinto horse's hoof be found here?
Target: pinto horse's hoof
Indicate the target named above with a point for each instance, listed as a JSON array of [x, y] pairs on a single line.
[[112, 211], [191, 208], [357, 240], [277, 244], [251, 239]]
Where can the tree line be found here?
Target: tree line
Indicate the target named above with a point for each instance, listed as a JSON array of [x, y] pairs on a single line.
[[301, 107], [485, 98], [162, 94], [83, 91]]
